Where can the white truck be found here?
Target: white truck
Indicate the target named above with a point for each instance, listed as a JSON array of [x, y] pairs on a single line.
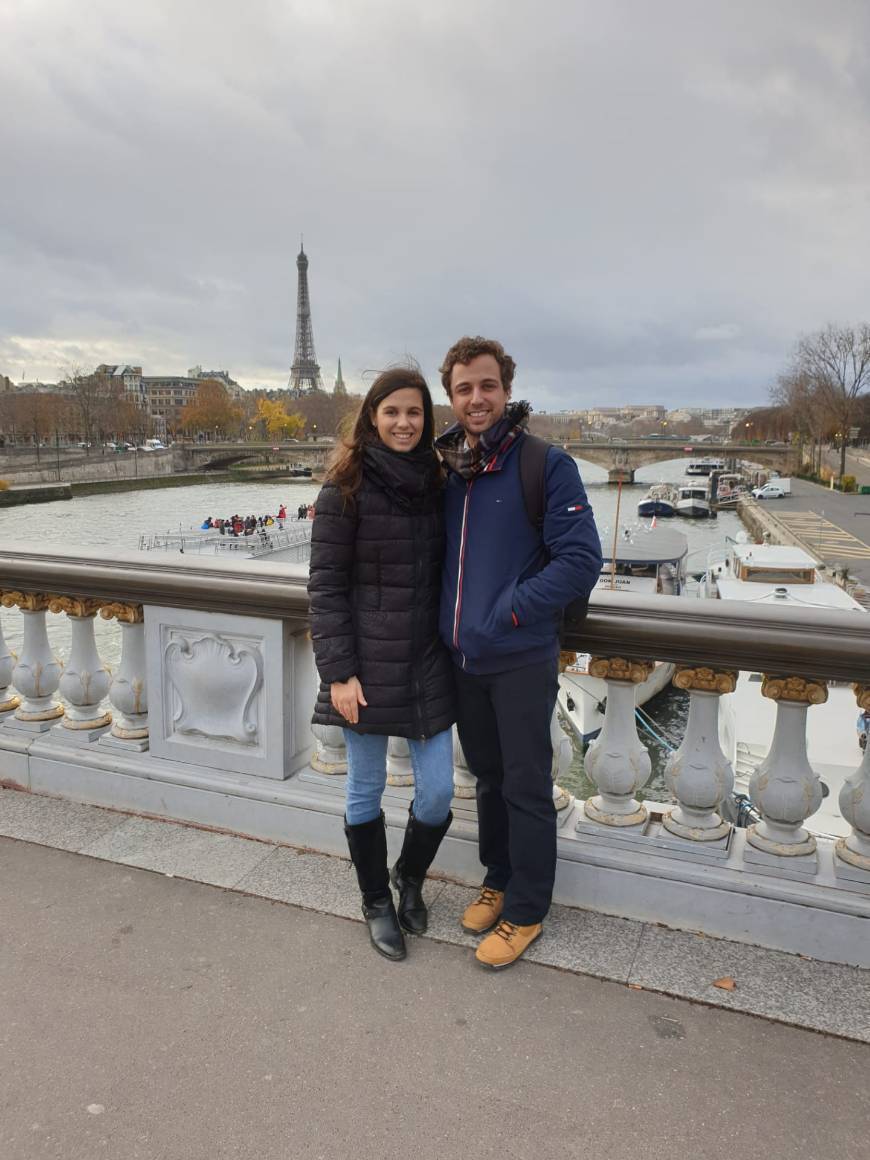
[[773, 489]]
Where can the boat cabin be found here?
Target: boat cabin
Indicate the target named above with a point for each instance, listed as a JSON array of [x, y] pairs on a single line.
[[651, 561]]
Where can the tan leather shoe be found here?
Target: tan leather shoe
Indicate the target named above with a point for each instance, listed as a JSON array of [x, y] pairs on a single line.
[[507, 942], [483, 913]]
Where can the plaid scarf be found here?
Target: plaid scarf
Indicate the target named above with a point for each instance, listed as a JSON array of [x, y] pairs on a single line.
[[472, 461]]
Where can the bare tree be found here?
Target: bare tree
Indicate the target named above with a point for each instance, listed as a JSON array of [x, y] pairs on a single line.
[[89, 392], [836, 362]]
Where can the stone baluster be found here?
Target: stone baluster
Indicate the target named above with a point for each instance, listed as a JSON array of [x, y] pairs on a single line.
[[784, 788], [563, 755], [85, 680], [698, 774], [330, 751], [616, 761], [854, 803], [400, 770], [128, 691], [8, 700], [37, 671], [464, 782]]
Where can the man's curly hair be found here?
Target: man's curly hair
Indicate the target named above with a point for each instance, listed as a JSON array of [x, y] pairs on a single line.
[[468, 348]]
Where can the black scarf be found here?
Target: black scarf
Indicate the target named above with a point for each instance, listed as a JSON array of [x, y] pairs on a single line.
[[409, 478]]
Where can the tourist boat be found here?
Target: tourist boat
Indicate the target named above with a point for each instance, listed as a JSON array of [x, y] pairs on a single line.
[[693, 500], [648, 561], [705, 466], [291, 544], [660, 500], [778, 575]]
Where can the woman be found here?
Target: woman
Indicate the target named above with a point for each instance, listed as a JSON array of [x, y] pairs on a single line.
[[376, 552]]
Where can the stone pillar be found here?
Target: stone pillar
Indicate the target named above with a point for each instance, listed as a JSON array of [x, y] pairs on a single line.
[[620, 475], [128, 690], [784, 788], [616, 761], [854, 803], [400, 770], [330, 751], [698, 774], [8, 700], [37, 671], [85, 680]]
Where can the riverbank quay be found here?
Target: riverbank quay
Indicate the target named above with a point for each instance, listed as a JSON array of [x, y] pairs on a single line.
[[35, 493], [154, 1017], [832, 526]]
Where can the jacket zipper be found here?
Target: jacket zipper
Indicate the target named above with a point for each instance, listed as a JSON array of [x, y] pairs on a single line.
[[463, 537]]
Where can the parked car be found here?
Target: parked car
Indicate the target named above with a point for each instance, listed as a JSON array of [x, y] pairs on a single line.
[[774, 489]]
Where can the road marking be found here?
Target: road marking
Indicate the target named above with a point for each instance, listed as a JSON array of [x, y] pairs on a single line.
[[827, 540]]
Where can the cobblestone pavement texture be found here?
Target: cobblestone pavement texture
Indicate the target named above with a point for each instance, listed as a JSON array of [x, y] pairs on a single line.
[[158, 1019]]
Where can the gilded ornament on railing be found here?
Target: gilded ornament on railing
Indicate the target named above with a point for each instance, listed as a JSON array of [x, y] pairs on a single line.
[[79, 606], [862, 696], [705, 680], [26, 601], [620, 669], [567, 657], [803, 690], [128, 613]]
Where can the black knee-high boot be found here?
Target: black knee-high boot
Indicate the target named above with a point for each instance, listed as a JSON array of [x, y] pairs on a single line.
[[418, 850], [367, 843]]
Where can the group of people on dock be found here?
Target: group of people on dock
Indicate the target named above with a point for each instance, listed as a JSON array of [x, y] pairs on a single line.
[[439, 573], [242, 525]]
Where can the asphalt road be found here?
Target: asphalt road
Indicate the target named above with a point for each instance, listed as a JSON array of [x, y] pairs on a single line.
[[143, 1018], [835, 526]]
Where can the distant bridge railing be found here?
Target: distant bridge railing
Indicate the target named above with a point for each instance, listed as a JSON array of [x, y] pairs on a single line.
[[186, 691]]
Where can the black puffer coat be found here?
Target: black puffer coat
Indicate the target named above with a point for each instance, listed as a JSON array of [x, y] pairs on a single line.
[[375, 584]]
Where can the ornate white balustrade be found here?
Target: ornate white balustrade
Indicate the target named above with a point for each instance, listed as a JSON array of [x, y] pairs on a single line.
[[194, 702]]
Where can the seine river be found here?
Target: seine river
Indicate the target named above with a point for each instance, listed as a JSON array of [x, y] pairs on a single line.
[[114, 522]]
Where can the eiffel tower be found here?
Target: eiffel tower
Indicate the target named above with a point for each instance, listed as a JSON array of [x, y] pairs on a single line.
[[305, 373]]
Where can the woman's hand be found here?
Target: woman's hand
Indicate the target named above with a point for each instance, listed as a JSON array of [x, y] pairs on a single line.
[[347, 696]]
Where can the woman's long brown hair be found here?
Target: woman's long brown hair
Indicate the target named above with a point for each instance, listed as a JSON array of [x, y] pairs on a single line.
[[345, 466]]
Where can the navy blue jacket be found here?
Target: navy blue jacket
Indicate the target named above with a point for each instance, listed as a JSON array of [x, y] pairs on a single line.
[[501, 597]]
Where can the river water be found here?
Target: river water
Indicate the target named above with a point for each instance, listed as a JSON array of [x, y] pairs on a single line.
[[115, 522]]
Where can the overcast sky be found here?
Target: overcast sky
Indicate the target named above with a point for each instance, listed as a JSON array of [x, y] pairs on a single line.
[[644, 201]]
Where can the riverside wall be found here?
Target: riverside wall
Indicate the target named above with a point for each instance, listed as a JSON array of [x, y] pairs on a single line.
[[131, 465]]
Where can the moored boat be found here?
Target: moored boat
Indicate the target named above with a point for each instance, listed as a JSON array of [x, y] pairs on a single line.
[[660, 501], [693, 499]]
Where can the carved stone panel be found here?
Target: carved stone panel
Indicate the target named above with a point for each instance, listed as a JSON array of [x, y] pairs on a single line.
[[221, 692]]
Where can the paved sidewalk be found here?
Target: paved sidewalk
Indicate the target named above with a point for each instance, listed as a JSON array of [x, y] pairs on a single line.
[[821, 996], [152, 1019]]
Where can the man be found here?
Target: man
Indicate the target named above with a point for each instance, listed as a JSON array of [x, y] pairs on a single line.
[[505, 585]]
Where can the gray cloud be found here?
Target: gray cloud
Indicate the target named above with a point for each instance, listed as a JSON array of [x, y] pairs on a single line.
[[643, 201]]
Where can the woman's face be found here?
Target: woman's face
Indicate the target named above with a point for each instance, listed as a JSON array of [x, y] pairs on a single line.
[[399, 419]]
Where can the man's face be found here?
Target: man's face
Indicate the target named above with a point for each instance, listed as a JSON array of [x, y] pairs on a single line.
[[477, 396]]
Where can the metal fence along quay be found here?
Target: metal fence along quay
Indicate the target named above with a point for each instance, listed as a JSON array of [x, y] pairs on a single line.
[[206, 719]]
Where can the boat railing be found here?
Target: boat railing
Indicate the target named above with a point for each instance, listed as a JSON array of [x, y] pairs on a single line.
[[184, 689]]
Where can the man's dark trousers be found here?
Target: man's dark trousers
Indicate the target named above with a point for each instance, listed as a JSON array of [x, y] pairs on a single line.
[[504, 727]]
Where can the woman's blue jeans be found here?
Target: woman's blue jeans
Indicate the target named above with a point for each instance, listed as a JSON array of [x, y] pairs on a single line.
[[432, 761]]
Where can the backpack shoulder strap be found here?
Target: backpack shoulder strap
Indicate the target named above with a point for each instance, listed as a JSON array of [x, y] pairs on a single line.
[[533, 477]]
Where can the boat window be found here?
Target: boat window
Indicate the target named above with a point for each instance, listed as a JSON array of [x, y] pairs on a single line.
[[767, 575]]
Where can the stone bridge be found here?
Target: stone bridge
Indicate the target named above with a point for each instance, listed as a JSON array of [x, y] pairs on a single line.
[[219, 456], [621, 459]]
